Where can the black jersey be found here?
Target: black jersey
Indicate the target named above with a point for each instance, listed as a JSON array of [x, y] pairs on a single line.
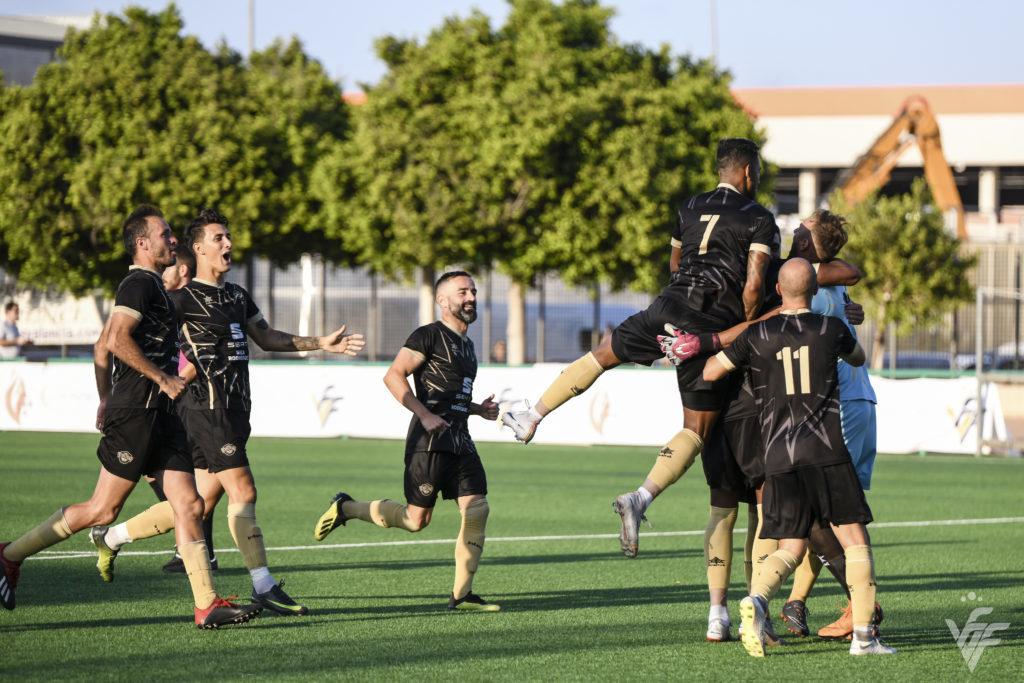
[[715, 232], [792, 359], [142, 296], [444, 384], [213, 321]]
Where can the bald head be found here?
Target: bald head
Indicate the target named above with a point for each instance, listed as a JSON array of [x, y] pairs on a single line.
[[797, 283]]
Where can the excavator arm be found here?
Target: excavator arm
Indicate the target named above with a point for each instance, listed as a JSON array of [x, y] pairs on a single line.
[[914, 123]]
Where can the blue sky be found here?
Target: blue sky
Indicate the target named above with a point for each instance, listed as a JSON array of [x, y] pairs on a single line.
[[766, 43]]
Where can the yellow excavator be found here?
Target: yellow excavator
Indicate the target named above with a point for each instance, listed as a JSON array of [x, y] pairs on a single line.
[[914, 123]]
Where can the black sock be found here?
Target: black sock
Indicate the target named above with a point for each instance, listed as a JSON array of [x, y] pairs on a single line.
[[828, 549]]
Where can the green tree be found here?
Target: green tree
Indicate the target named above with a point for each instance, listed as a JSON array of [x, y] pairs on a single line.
[[544, 145], [914, 269], [134, 112]]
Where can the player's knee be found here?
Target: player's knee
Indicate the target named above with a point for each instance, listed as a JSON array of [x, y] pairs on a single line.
[[102, 515], [191, 508], [477, 511], [416, 520]]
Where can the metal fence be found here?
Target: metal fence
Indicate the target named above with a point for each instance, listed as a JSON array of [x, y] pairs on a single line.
[[312, 298]]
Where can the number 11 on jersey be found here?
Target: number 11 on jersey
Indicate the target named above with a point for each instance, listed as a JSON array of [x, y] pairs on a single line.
[[787, 355]]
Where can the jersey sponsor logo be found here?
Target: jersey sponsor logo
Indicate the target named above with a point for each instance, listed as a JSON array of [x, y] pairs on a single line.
[[236, 331], [124, 457], [229, 449], [467, 385], [426, 489]]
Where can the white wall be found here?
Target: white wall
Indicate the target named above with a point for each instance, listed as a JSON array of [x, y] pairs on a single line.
[[626, 406]]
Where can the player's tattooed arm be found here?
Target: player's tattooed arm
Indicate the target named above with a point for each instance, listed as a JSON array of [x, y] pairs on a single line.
[[753, 291], [270, 339]]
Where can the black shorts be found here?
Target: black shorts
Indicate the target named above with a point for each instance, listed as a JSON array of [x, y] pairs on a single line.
[[793, 501], [218, 438], [137, 441], [733, 456], [428, 473], [635, 340]]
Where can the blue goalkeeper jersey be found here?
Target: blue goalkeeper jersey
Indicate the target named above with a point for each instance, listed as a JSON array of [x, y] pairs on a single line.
[[854, 383]]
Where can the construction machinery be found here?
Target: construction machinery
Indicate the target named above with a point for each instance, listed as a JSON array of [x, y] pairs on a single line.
[[915, 123]]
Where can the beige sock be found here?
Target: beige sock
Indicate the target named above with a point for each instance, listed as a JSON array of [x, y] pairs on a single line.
[[248, 537], [762, 548], [51, 532], [718, 546], [153, 521], [774, 571], [675, 458], [197, 566], [573, 381], [805, 576], [386, 513], [469, 546], [748, 545], [860, 575]]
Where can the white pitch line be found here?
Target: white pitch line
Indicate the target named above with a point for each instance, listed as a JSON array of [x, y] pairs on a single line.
[[74, 554]]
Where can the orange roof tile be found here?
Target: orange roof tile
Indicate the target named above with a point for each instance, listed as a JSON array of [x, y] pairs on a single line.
[[867, 101]]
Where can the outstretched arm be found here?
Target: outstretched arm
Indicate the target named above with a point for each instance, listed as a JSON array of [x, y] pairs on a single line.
[[838, 272], [714, 370], [270, 339], [679, 346]]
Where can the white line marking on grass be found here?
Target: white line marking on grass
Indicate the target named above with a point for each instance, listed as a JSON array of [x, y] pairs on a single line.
[[74, 554]]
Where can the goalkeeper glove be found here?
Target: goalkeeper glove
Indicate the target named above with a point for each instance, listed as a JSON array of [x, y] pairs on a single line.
[[679, 346]]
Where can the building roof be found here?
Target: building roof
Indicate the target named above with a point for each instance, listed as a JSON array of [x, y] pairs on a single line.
[[980, 125], [49, 28]]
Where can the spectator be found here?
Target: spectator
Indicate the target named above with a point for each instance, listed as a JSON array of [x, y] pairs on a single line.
[[11, 340]]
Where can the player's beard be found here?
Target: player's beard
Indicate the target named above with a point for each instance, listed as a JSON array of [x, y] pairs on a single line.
[[466, 312]]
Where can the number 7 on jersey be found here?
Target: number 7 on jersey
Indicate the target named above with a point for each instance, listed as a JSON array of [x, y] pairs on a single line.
[[711, 218]]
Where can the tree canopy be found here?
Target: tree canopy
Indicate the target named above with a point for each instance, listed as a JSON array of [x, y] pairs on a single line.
[[914, 269], [134, 112], [543, 145]]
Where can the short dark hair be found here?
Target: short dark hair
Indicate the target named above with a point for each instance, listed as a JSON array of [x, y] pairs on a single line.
[[448, 276], [136, 225], [9, 305], [187, 258], [736, 152], [194, 229]]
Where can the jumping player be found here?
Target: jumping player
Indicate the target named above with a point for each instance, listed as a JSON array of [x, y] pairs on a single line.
[[721, 247]]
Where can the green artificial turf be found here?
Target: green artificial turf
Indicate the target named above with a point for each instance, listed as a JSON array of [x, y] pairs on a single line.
[[573, 608]]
